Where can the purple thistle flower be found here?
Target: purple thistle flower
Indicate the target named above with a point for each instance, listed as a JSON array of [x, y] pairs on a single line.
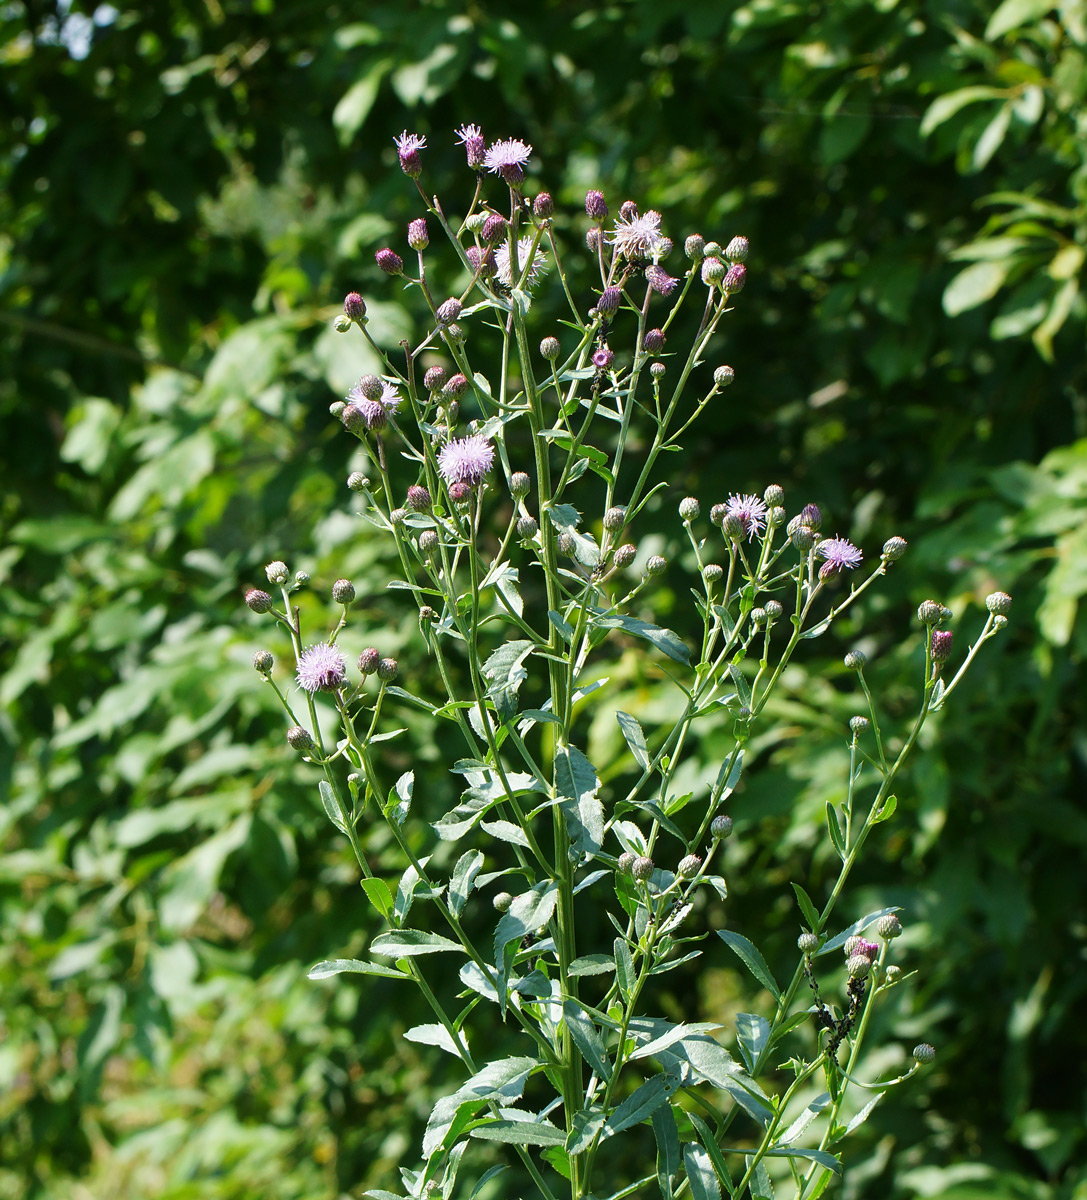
[[494, 227], [750, 511], [375, 412], [610, 299], [653, 341], [482, 261], [660, 281], [466, 460], [870, 950], [418, 236], [838, 554], [507, 158], [321, 668], [505, 267], [471, 138], [595, 205], [389, 261], [603, 358], [638, 236], [408, 146]]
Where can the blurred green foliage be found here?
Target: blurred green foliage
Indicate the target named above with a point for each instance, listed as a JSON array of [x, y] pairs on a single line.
[[185, 192]]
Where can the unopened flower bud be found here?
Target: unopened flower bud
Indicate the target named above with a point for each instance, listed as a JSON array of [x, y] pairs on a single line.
[[494, 228], [368, 661], [998, 603], [758, 617], [849, 948], [258, 601], [428, 543], [717, 514], [449, 311], [434, 379], [807, 943], [624, 555], [610, 299], [858, 966], [859, 724], [655, 565], [519, 484], [418, 235], [713, 271], [773, 610], [855, 660], [460, 492], [775, 518], [657, 369], [301, 578], [653, 341], [427, 615], [628, 210], [595, 205], [342, 323], [721, 827], [712, 250], [733, 526], [277, 572], [642, 867], [566, 544], [941, 645], [999, 621], [343, 591], [803, 538], [924, 1053], [502, 902], [713, 573], [354, 306], [694, 247], [455, 385], [812, 516], [689, 866], [357, 482], [418, 499], [891, 973], [888, 927], [774, 495], [689, 508], [396, 517], [389, 261], [549, 348], [299, 739], [894, 548], [527, 528], [263, 662], [543, 207], [626, 862], [592, 239], [736, 251], [734, 279], [387, 669], [723, 376]]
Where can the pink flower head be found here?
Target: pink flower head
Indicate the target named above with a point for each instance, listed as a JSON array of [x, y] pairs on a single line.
[[508, 158], [505, 267], [471, 138], [838, 554], [638, 236], [603, 358], [321, 668], [466, 460], [870, 950], [660, 281], [750, 511], [408, 146], [375, 412]]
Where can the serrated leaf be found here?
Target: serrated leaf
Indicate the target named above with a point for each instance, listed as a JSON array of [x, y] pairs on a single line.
[[729, 776], [811, 914], [666, 1135], [506, 831], [433, 1035], [407, 943], [378, 893], [354, 966], [887, 811], [805, 1119], [635, 738], [642, 1103], [468, 867], [864, 1114], [502, 1081], [701, 1177], [835, 829], [332, 809], [664, 639], [520, 1133], [709, 1144], [624, 967], [752, 1034], [751, 958], [587, 1038]]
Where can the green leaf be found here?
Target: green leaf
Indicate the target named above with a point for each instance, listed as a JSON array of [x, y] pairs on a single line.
[[520, 1133], [502, 1081], [506, 831], [407, 943], [664, 639], [734, 766], [1013, 14], [992, 136], [811, 914], [332, 809], [587, 1123], [505, 672], [668, 1157], [835, 828], [354, 966], [433, 1035], [643, 1102], [378, 893], [946, 106], [355, 104], [751, 958], [805, 1119], [818, 1156], [709, 1144], [565, 631], [624, 967], [752, 1034], [587, 1038], [464, 875], [635, 738], [887, 811], [977, 283], [701, 1177], [527, 913], [576, 783]]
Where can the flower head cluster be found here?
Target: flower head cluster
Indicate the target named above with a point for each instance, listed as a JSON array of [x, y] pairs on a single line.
[[375, 411], [466, 460], [321, 668], [838, 554], [505, 266], [750, 511], [507, 158], [638, 236]]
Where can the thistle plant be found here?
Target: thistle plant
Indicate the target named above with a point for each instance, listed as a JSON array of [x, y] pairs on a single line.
[[512, 491]]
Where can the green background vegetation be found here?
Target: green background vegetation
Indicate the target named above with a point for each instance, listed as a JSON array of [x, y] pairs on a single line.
[[187, 189]]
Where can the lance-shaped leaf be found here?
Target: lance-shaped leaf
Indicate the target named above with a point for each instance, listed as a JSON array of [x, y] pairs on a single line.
[[502, 1081], [701, 1177], [527, 913], [503, 578], [505, 672], [576, 784], [464, 876], [354, 966], [635, 738], [664, 639], [752, 1033], [642, 1103], [434, 1035], [407, 943], [587, 1038], [752, 959], [529, 1132]]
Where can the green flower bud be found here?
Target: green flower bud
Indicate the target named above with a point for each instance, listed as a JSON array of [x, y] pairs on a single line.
[[689, 509], [624, 556], [502, 901], [807, 943], [655, 565], [343, 591], [615, 519], [712, 573], [519, 484], [774, 496], [858, 966], [758, 617], [888, 927], [368, 661], [695, 247], [626, 862], [930, 612], [851, 945], [723, 376], [428, 543], [263, 662], [277, 572], [642, 868], [859, 724], [357, 482], [721, 827], [773, 610], [258, 601], [387, 670], [341, 323], [924, 1053], [550, 348], [894, 548], [689, 866], [855, 660], [299, 739], [712, 250], [527, 528], [998, 603]]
